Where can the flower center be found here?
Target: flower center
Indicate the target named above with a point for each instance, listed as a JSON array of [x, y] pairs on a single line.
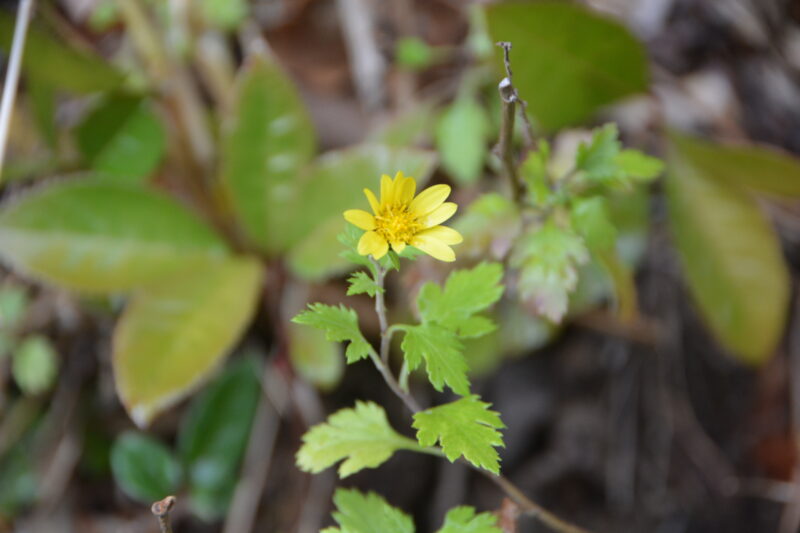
[[395, 224]]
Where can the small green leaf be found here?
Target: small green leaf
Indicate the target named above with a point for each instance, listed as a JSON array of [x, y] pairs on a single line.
[[592, 221], [367, 513], [638, 165], [224, 14], [340, 324], [214, 435], [362, 283], [13, 306], [100, 236], [316, 359], [464, 520], [548, 258], [35, 365], [361, 436], [465, 293], [465, 427], [559, 66], [461, 137], [53, 62], [442, 352], [173, 334], [413, 52], [731, 258], [598, 159], [266, 141], [122, 138], [534, 172], [144, 468]]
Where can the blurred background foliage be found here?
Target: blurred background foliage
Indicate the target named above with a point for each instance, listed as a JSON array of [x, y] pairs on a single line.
[[173, 195]]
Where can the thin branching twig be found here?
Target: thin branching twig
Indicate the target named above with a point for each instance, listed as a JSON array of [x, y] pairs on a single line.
[[161, 510]]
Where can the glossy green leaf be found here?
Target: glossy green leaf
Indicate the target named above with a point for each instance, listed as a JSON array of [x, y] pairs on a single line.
[[173, 334], [98, 236], [367, 513], [568, 61], [361, 436], [35, 365], [731, 258], [761, 168], [51, 61], [461, 138], [465, 520], [122, 138], [266, 141], [465, 427], [144, 468], [315, 358], [214, 436]]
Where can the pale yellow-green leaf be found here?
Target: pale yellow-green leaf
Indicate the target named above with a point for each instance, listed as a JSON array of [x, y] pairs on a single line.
[[316, 359], [175, 333]]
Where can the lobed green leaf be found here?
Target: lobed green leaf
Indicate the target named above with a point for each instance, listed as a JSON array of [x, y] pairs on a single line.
[[367, 513], [465, 520], [340, 324], [442, 352]]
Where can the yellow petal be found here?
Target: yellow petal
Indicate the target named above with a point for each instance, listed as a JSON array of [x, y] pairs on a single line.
[[387, 190], [439, 215], [433, 247], [360, 218], [399, 246], [373, 202], [374, 244], [429, 199], [442, 233], [405, 192]]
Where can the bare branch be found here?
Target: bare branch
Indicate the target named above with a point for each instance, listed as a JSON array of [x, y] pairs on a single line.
[[161, 510]]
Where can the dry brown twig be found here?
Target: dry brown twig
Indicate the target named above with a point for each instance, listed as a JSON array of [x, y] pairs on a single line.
[[161, 510]]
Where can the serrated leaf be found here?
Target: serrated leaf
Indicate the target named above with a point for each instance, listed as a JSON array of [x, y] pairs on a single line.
[[465, 427], [173, 334], [316, 359], [442, 352], [266, 141], [103, 237], [122, 138], [362, 283], [367, 513], [214, 435], [465, 520], [465, 293], [548, 258], [592, 221], [731, 258], [535, 173], [361, 436], [34, 365], [762, 168], [559, 68], [144, 468], [598, 159], [53, 62], [340, 324], [461, 137]]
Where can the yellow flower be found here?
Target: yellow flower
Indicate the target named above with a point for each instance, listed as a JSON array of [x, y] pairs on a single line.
[[400, 219]]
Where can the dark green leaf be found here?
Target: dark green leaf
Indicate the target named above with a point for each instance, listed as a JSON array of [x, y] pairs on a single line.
[[144, 468]]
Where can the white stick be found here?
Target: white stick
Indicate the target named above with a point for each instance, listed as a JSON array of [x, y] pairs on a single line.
[[12, 74]]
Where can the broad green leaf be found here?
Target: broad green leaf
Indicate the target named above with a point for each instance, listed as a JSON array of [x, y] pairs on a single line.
[[367, 513], [362, 283], [173, 334], [336, 183], [266, 141], [144, 468], [340, 325], [35, 365], [122, 138], [465, 293], [465, 520], [763, 169], [99, 236], [51, 61], [731, 258], [315, 358], [319, 255], [214, 435], [465, 427], [592, 221], [548, 258], [442, 352], [42, 100], [361, 436], [568, 61], [461, 138]]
